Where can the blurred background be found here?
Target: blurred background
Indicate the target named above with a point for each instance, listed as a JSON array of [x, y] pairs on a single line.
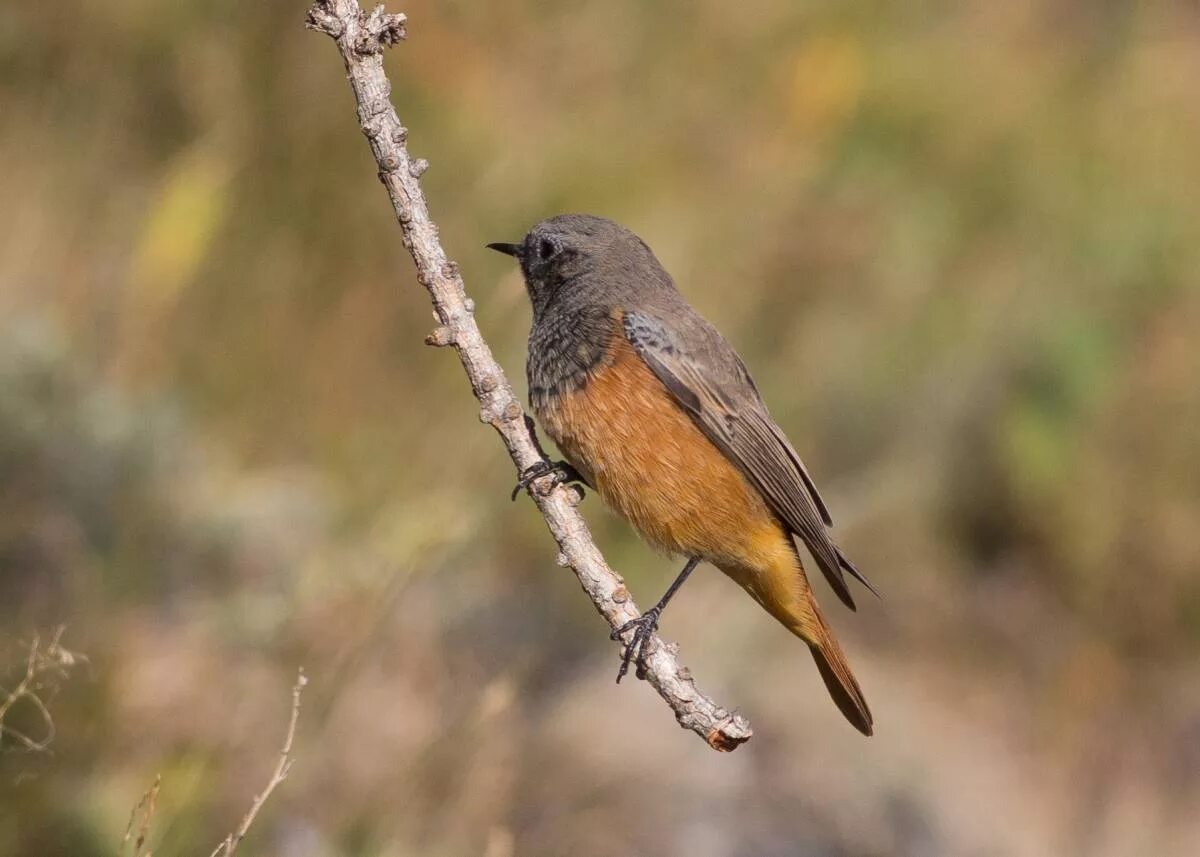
[[957, 243]]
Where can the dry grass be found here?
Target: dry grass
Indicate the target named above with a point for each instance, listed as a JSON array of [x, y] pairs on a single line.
[[46, 665]]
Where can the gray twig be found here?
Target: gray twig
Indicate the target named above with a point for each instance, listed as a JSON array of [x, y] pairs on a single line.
[[360, 39]]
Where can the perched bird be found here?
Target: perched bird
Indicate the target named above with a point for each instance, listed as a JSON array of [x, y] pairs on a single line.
[[656, 411]]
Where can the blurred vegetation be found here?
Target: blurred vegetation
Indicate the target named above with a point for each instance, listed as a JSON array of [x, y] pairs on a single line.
[[958, 245]]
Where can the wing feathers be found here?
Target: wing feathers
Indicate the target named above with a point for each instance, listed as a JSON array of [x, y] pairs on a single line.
[[733, 417]]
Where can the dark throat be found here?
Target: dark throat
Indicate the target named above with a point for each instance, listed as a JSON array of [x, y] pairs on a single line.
[[566, 345]]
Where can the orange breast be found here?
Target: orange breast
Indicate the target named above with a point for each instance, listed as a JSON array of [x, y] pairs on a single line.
[[652, 465]]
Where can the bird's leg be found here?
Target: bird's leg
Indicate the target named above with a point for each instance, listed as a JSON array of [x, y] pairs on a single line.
[[563, 473], [646, 624]]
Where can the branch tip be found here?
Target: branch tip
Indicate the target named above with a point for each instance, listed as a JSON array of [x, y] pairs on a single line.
[[729, 738]]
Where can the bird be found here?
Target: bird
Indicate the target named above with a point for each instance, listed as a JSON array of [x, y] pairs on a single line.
[[653, 409]]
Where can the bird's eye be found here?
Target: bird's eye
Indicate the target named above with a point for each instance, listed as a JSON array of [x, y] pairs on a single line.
[[546, 249]]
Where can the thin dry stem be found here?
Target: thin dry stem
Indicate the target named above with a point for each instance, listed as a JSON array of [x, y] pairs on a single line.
[[146, 806], [50, 660], [360, 39], [231, 842]]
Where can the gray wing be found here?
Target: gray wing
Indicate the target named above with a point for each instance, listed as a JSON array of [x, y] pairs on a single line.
[[711, 383]]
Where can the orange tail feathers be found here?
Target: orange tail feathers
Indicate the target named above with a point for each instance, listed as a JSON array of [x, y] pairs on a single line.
[[784, 592], [840, 681]]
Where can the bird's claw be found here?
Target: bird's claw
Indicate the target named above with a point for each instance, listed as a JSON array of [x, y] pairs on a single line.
[[643, 628], [562, 471]]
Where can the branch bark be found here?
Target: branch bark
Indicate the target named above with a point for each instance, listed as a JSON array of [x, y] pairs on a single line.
[[361, 39]]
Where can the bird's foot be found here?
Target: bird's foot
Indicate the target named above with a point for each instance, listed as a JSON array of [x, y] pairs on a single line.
[[643, 628], [563, 474]]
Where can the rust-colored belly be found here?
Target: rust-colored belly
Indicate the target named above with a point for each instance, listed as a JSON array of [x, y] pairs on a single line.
[[651, 464]]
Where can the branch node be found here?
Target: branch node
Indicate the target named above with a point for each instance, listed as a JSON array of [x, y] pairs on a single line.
[[378, 107], [380, 30], [320, 19], [418, 167], [390, 29], [512, 411], [440, 338], [562, 560], [489, 384]]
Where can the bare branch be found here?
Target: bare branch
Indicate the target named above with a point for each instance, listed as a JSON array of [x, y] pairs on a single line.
[[360, 39], [231, 842]]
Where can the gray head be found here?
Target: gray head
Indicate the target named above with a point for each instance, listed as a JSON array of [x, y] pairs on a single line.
[[581, 257]]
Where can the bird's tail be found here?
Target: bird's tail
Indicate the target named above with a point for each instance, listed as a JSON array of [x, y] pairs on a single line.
[[843, 687], [785, 593]]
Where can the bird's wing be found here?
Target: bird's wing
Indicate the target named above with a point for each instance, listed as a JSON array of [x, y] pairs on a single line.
[[710, 382]]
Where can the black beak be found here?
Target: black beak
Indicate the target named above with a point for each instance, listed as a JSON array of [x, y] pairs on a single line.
[[509, 249]]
